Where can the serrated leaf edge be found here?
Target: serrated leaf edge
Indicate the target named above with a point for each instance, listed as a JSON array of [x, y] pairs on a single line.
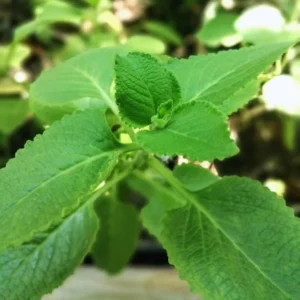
[[27, 146], [182, 273], [192, 103]]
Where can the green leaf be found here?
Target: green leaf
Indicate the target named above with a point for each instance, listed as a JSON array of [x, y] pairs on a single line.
[[13, 57], [241, 97], [220, 31], [118, 235], [160, 200], [12, 115], [235, 240], [163, 31], [93, 2], [83, 81], [51, 12], [194, 177], [52, 174], [42, 264], [145, 43], [217, 77], [197, 130], [142, 85]]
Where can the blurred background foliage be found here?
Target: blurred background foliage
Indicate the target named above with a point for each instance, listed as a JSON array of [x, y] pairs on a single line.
[[35, 35]]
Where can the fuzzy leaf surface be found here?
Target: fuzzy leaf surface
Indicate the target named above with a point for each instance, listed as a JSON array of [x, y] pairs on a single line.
[[197, 130], [37, 267], [235, 240], [80, 82], [53, 173], [118, 234], [216, 77], [142, 85]]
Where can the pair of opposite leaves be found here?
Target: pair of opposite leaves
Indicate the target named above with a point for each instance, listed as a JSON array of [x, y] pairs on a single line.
[[149, 94]]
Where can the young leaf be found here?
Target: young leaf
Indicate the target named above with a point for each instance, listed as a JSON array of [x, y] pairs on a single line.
[[216, 77], [51, 174], [81, 82], [235, 240], [194, 177], [197, 130], [142, 85], [12, 114], [42, 264], [118, 234]]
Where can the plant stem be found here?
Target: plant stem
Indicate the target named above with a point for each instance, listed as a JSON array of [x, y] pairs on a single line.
[[114, 108], [289, 126], [131, 147], [129, 131], [295, 13], [168, 175], [108, 185]]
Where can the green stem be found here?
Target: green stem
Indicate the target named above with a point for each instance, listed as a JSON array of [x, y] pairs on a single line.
[[168, 175], [108, 185], [155, 185], [295, 13], [289, 132], [130, 132], [114, 108], [10, 55], [131, 147]]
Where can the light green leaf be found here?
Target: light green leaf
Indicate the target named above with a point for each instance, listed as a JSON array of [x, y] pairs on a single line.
[[118, 235], [216, 77], [94, 2], [13, 57], [194, 177], [12, 114], [49, 177], [197, 130], [51, 12], [220, 31], [142, 85], [163, 31], [145, 43], [235, 240], [43, 263], [9, 87], [83, 81], [241, 97], [159, 204]]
